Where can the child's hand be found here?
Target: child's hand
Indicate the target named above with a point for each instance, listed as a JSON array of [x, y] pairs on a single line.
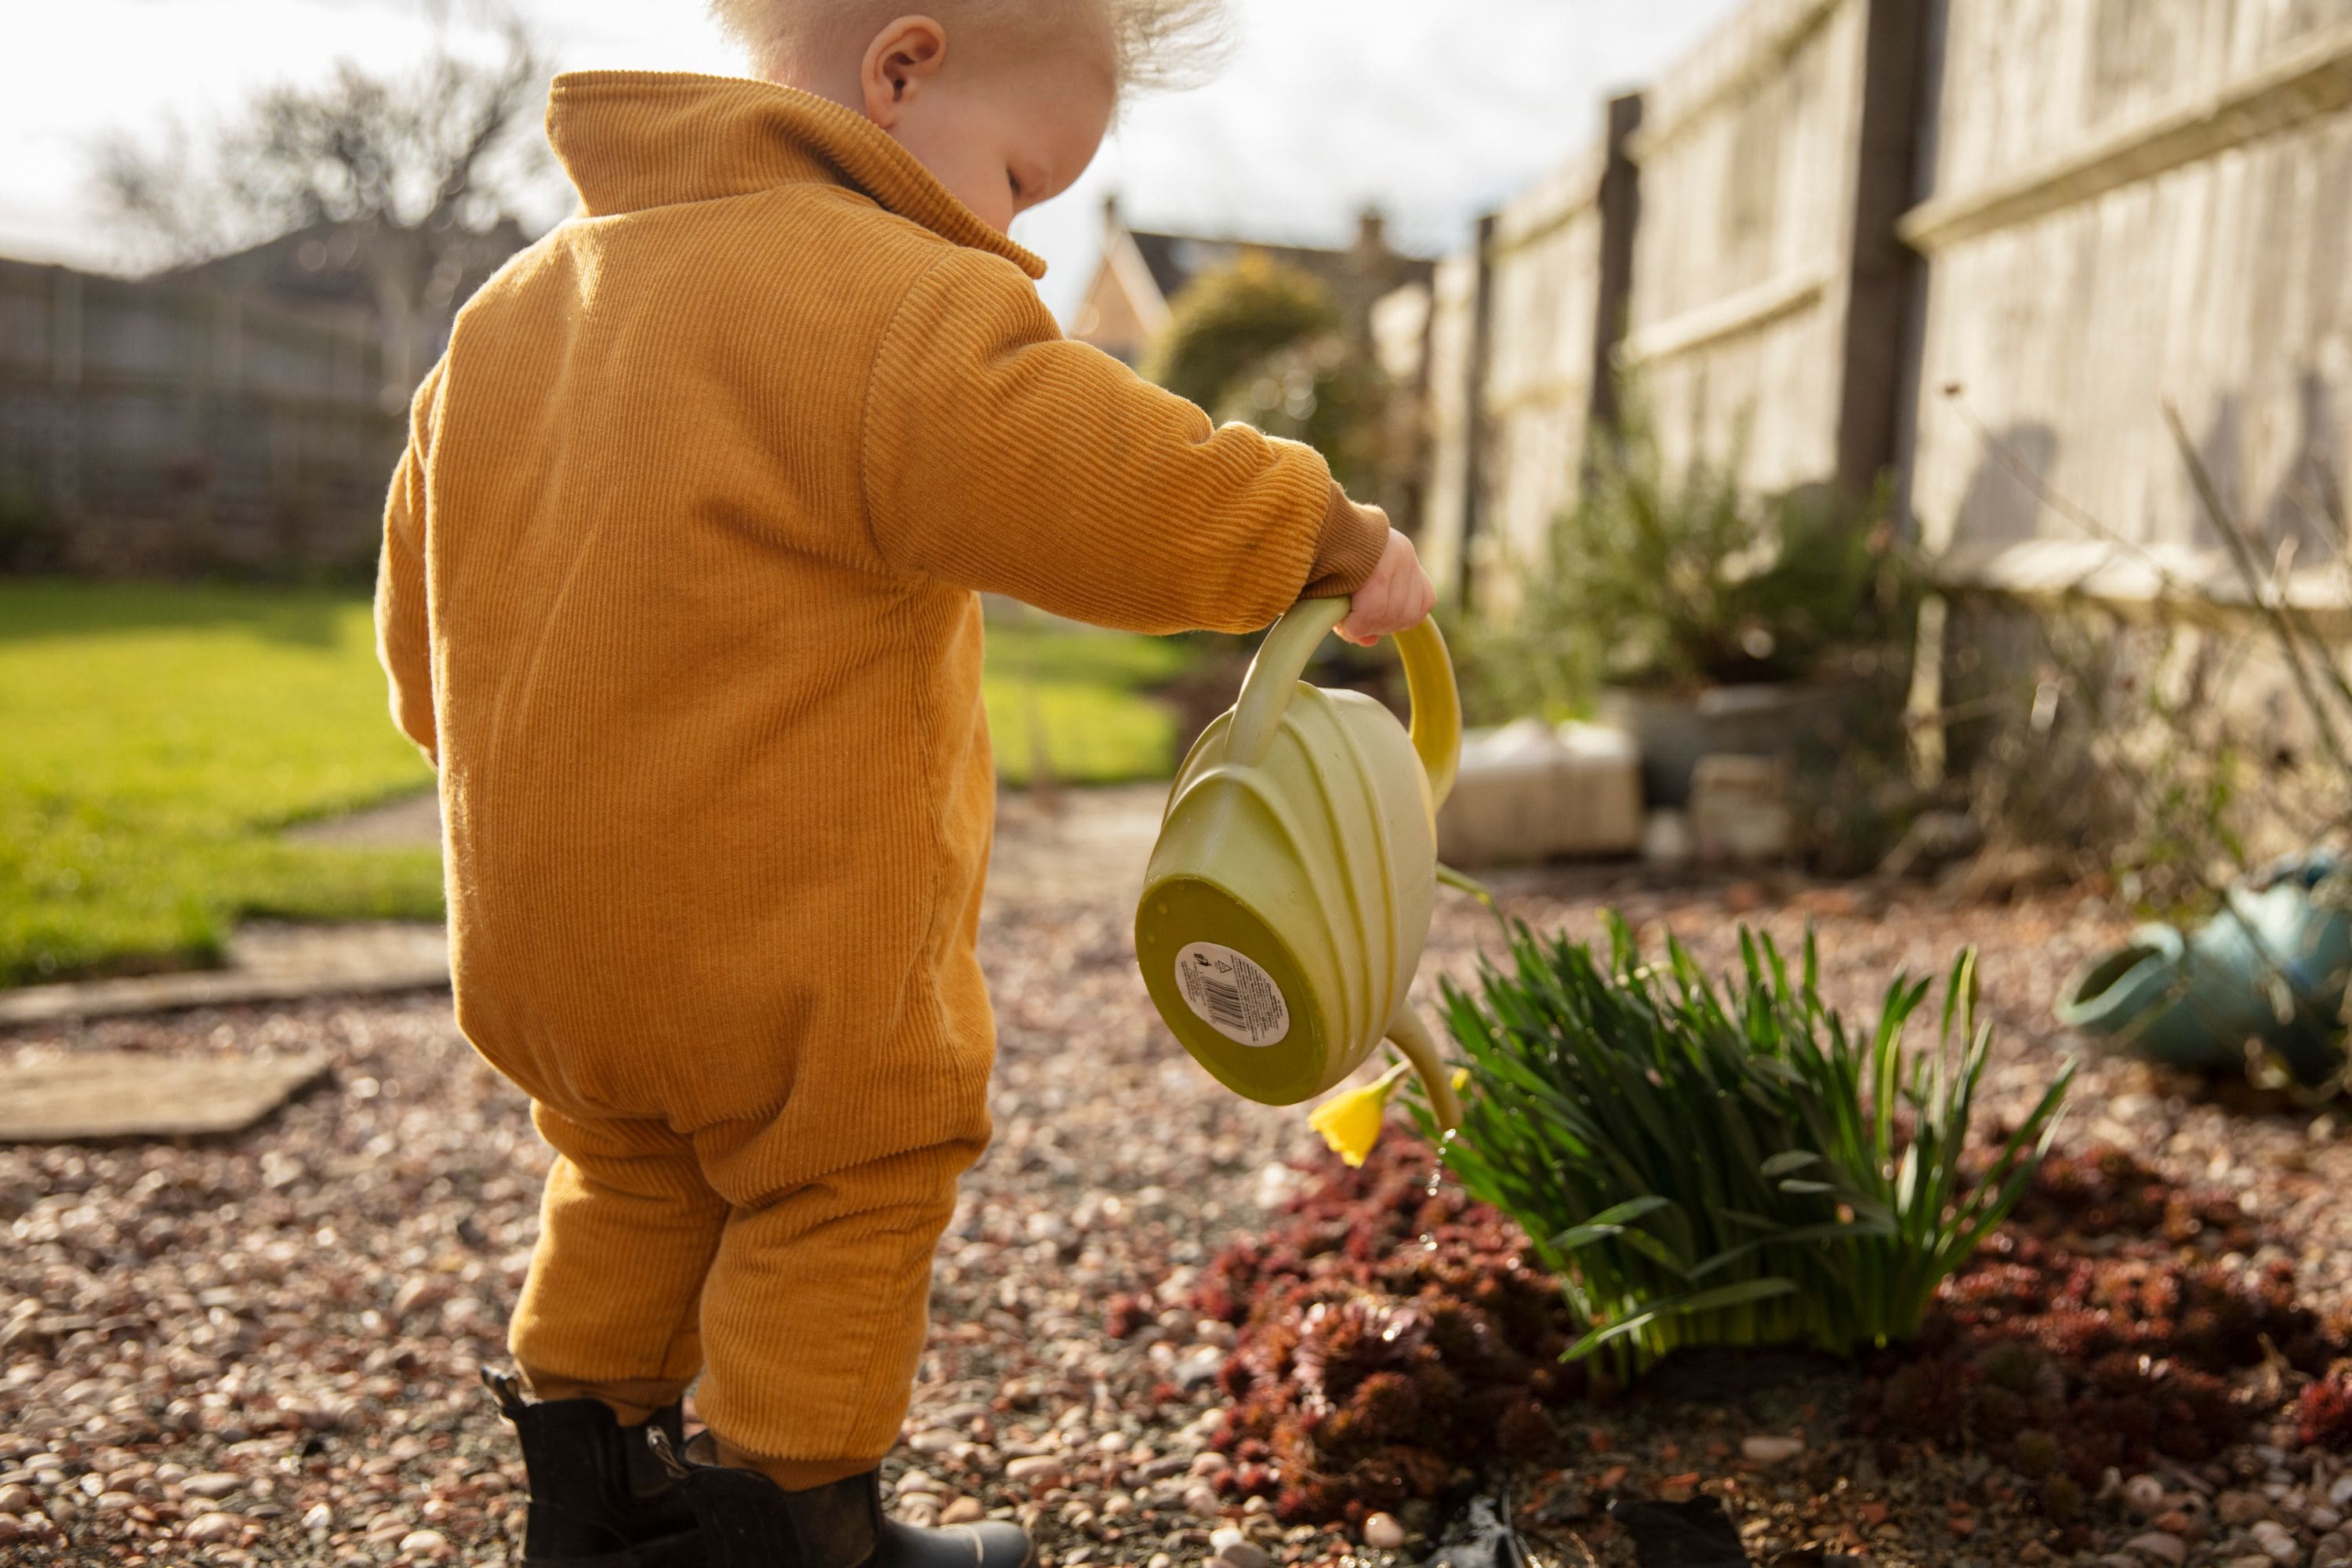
[[1396, 595]]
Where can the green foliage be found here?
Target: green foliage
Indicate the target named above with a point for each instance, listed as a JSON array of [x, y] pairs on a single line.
[[157, 737], [1227, 321], [1262, 343], [1728, 1166], [1659, 578]]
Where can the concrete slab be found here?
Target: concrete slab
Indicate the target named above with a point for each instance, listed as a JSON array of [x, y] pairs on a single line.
[[268, 961], [1528, 793], [53, 1099]]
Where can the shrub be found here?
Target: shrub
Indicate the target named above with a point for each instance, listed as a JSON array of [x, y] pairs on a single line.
[[1727, 1167], [1267, 344], [1671, 578]]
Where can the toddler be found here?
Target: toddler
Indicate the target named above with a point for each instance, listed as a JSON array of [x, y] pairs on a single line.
[[679, 592]]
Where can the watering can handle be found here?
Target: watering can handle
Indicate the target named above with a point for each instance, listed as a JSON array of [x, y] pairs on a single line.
[[1282, 659]]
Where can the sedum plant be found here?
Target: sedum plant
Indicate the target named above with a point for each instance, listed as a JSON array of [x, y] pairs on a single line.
[[1727, 1165]]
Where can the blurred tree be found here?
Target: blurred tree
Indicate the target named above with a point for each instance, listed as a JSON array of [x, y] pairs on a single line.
[[416, 169], [1267, 344]]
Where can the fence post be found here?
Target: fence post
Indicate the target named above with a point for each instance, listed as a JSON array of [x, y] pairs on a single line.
[[65, 391], [1474, 416], [1880, 266], [1620, 202]]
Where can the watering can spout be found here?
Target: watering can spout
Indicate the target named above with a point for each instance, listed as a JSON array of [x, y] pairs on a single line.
[[1288, 898]]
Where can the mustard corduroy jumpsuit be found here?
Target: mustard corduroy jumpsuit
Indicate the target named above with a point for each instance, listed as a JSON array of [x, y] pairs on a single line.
[[678, 591]]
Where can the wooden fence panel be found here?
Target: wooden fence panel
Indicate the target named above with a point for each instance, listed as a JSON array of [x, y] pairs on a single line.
[[1545, 271], [1747, 159], [163, 425], [2132, 200], [1450, 390]]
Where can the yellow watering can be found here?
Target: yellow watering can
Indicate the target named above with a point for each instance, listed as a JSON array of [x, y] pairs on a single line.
[[1288, 897]]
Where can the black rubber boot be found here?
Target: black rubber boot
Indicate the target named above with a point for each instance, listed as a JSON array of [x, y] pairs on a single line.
[[599, 1496], [749, 1521]]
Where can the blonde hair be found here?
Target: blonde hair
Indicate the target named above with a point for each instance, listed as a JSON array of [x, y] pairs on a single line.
[[1154, 43]]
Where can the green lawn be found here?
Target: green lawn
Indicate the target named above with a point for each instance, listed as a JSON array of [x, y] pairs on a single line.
[[154, 737], [1081, 688], [157, 734]]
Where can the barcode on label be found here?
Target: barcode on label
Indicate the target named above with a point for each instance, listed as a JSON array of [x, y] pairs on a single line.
[[1225, 1004]]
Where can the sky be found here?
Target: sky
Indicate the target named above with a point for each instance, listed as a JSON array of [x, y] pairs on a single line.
[[1434, 110]]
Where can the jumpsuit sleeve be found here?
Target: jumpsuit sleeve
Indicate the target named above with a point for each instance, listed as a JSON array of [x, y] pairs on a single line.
[[999, 455], [402, 635]]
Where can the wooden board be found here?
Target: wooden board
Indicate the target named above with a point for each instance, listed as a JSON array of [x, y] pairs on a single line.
[[144, 1094]]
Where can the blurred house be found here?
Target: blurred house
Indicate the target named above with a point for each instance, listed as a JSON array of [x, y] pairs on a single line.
[[1141, 272]]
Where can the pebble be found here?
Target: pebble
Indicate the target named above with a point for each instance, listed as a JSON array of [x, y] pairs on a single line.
[[1246, 1554], [964, 1510], [1209, 1462], [2241, 1509], [1771, 1450], [10, 1528], [938, 1440], [2144, 1495], [17, 1499], [2159, 1547], [1383, 1532], [1204, 1502], [319, 1516], [1040, 1471], [211, 1529], [2277, 1541], [425, 1543]]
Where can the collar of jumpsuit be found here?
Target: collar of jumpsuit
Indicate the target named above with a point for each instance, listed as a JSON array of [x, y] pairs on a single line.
[[635, 140]]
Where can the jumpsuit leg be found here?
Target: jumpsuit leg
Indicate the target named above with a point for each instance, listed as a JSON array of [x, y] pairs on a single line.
[[816, 1308], [627, 1230]]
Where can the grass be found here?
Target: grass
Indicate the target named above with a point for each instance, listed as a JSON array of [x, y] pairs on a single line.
[[1082, 690], [159, 735]]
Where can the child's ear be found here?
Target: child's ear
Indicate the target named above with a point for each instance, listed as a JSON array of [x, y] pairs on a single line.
[[902, 58]]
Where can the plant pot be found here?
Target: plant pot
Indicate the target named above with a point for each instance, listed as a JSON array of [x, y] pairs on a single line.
[[1674, 730]]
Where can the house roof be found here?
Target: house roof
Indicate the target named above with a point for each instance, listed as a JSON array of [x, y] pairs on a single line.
[[1175, 259]]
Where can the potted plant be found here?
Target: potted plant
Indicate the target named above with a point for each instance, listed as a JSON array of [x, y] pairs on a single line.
[[1702, 617]]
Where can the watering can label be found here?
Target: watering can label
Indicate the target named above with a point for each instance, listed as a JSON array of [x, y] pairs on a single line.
[[1231, 994]]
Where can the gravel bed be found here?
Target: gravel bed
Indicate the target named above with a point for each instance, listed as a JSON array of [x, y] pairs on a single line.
[[263, 1348]]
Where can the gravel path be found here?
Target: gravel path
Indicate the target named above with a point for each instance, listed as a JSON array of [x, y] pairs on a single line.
[[263, 1349]]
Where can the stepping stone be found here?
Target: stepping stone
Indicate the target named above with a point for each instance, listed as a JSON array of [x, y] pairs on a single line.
[[144, 1094]]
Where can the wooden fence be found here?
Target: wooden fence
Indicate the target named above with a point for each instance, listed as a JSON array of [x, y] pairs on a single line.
[[1975, 245], [164, 426]]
